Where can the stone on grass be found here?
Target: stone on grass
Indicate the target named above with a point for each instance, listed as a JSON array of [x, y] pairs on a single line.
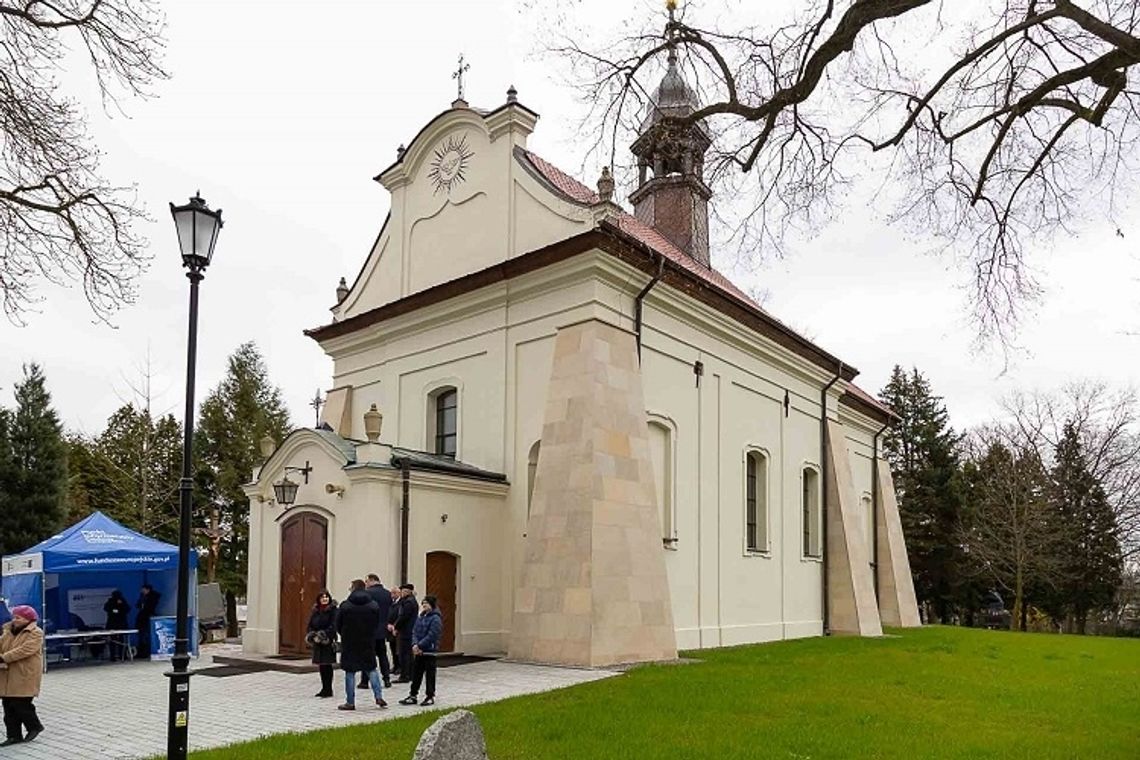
[[455, 736]]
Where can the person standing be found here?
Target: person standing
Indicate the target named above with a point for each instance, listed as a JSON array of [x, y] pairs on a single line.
[[356, 622], [425, 646], [147, 606], [21, 674], [322, 638], [117, 609], [405, 622], [383, 599], [393, 646]]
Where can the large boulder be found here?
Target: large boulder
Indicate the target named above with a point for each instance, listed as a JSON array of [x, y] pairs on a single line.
[[455, 736]]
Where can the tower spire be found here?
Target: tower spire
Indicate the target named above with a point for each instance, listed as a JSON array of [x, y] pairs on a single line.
[[671, 194]]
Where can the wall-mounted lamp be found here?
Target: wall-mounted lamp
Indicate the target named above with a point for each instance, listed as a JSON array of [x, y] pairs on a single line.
[[338, 490], [286, 490]]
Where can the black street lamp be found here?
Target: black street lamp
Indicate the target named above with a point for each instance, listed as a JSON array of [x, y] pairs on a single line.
[[197, 228]]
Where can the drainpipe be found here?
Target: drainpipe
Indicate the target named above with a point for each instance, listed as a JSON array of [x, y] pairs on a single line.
[[405, 478], [823, 494], [875, 509], [641, 297]]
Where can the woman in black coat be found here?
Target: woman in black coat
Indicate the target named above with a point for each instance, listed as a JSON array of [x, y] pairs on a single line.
[[322, 638]]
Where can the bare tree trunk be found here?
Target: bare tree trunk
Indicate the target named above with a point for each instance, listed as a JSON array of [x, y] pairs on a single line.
[[212, 552], [231, 615]]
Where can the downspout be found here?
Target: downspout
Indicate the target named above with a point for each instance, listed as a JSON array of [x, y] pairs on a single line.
[[405, 481], [637, 302], [875, 509], [823, 494]]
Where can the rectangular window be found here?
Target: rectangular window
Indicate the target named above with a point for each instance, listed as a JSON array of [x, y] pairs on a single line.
[[811, 516], [661, 455], [446, 422], [756, 502]]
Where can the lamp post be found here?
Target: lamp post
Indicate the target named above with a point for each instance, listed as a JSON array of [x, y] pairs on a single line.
[[197, 228]]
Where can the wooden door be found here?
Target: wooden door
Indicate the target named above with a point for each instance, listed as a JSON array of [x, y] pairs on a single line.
[[442, 577], [304, 561]]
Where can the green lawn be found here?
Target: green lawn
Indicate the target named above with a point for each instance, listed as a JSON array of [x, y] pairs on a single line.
[[936, 692]]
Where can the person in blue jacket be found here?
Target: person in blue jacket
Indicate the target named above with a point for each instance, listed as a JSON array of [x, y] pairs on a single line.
[[426, 636], [5, 615]]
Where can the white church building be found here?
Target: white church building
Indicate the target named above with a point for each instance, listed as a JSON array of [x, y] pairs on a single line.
[[558, 418]]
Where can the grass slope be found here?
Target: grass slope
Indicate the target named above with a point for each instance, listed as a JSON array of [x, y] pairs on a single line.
[[929, 693]]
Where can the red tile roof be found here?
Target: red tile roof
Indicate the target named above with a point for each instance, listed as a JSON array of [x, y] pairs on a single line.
[[634, 227], [646, 234]]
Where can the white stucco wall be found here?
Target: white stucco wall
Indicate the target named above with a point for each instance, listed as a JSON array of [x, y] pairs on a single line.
[[494, 345]]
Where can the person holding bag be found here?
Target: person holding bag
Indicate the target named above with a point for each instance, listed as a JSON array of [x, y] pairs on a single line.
[[21, 674], [322, 638]]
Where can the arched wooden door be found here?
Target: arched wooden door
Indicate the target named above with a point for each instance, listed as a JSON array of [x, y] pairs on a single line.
[[442, 581], [304, 562]]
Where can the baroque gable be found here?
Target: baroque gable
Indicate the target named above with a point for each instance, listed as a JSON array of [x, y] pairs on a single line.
[[460, 202]]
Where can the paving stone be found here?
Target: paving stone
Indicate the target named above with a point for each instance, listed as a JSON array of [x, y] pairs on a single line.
[[119, 711]]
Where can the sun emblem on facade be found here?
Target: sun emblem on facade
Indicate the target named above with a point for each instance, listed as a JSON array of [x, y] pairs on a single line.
[[449, 166]]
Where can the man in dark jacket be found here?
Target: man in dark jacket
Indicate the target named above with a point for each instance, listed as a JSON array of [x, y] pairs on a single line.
[[383, 599], [393, 614], [405, 621], [426, 636], [147, 607], [356, 622]]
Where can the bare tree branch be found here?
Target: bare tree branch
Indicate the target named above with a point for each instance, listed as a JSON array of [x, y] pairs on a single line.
[[59, 219]]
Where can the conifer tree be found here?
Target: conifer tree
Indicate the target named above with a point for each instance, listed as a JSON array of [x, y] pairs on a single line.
[[1090, 554], [233, 418], [34, 486], [922, 450]]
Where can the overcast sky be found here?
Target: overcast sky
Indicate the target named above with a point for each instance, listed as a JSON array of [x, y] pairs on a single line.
[[282, 112]]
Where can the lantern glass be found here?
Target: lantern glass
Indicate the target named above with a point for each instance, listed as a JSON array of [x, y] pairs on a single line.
[[197, 227], [285, 492]]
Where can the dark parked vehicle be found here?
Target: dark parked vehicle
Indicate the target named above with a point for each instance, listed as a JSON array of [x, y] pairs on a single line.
[[993, 614]]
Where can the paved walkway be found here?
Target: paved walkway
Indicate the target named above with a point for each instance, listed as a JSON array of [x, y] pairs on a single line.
[[119, 711]]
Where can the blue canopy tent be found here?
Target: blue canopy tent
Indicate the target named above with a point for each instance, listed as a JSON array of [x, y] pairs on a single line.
[[69, 577]]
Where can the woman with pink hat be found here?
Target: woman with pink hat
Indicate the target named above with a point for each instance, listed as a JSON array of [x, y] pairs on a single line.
[[21, 672]]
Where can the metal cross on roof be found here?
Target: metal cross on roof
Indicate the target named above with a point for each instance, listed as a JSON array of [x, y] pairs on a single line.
[[317, 403], [458, 74]]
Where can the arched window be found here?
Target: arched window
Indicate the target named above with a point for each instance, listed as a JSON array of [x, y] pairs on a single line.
[[661, 455], [443, 421], [755, 501], [811, 516], [531, 471]]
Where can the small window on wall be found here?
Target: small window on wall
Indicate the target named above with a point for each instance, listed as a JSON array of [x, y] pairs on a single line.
[[445, 419], [756, 502], [531, 471], [811, 515], [661, 454]]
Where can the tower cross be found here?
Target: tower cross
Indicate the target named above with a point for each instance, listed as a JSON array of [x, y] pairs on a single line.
[[458, 74], [317, 403]]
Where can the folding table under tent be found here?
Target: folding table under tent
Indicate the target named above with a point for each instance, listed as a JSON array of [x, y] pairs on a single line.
[[69, 577]]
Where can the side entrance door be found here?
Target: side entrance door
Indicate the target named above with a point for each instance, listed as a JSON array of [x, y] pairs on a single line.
[[442, 575], [304, 562]]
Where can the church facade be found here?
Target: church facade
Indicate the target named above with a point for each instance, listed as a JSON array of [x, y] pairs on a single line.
[[555, 416]]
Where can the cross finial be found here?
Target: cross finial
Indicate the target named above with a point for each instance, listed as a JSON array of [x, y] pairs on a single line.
[[458, 75], [317, 403]]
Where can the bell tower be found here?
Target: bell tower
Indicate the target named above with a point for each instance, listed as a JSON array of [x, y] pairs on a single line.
[[671, 195]]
